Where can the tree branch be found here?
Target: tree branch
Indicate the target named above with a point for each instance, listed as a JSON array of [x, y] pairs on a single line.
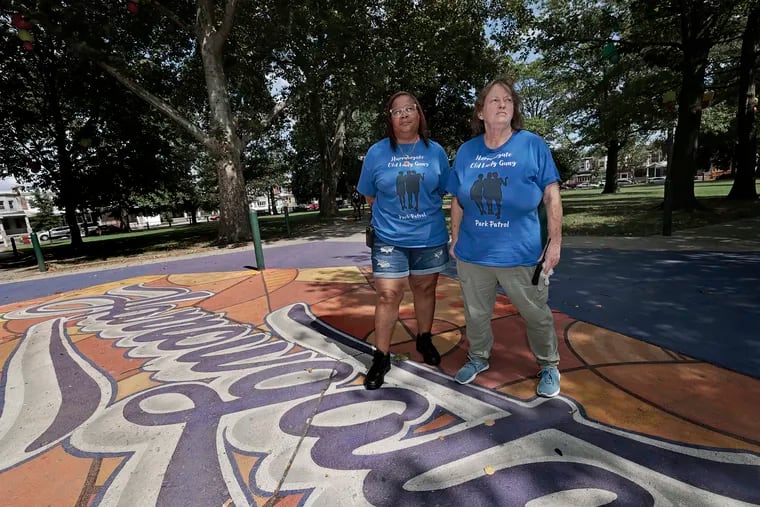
[[204, 19], [277, 111], [227, 22], [630, 44], [173, 16], [96, 57], [161, 106]]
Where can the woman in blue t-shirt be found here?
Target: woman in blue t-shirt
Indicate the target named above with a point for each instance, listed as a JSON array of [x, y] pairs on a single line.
[[499, 179], [403, 178]]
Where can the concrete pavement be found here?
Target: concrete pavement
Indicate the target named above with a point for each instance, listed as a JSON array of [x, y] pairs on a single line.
[[201, 381]]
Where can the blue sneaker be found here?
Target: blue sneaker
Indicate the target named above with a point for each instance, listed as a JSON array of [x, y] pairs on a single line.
[[548, 386], [470, 370]]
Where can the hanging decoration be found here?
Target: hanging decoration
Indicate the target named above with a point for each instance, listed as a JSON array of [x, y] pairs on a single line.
[[610, 52], [669, 100], [24, 30], [707, 98]]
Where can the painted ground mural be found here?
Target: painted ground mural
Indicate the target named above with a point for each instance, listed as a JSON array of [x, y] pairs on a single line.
[[245, 388]]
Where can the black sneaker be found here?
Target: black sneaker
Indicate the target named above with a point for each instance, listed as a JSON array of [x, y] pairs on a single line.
[[425, 347], [381, 364]]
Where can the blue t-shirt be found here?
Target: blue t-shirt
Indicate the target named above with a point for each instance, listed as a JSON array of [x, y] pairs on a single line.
[[500, 190], [407, 184]]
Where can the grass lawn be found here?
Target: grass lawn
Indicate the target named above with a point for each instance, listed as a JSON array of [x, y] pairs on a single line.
[[636, 210], [633, 211]]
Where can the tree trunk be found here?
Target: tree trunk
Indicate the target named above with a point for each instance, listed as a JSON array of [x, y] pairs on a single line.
[[233, 199], [67, 192], [67, 188], [272, 201], [746, 148], [124, 219], [326, 188], [334, 161], [695, 59], [610, 177]]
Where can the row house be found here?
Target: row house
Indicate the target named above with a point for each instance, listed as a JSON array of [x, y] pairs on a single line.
[[14, 213], [592, 169]]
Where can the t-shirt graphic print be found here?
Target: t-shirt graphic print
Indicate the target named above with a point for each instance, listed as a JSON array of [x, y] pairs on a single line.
[[499, 190], [486, 193], [407, 184]]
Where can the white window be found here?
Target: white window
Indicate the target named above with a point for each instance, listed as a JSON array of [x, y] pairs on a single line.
[[2, 205], [10, 204]]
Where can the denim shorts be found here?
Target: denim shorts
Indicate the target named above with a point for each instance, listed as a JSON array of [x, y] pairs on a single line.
[[390, 261]]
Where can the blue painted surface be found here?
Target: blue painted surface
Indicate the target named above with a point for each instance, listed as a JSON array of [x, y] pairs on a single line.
[[702, 304]]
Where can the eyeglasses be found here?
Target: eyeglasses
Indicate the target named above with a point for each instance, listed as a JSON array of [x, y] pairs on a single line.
[[399, 112]]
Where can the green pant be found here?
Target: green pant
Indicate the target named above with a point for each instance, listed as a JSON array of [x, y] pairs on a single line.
[[479, 293]]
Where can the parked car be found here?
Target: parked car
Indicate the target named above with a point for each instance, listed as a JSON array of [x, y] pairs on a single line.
[[312, 206], [657, 180], [108, 229], [55, 233], [624, 181], [88, 229]]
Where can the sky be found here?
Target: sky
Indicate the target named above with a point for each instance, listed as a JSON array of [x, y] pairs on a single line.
[[7, 183]]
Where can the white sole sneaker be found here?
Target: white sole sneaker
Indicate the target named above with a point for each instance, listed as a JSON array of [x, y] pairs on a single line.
[[472, 377]]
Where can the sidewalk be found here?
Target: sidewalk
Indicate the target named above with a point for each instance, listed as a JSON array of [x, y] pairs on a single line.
[[738, 236], [200, 381]]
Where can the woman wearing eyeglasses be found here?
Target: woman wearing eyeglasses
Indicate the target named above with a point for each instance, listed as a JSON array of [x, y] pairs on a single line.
[[499, 179], [403, 178]]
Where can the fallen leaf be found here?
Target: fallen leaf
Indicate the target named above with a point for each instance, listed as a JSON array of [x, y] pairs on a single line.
[[490, 422], [489, 470]]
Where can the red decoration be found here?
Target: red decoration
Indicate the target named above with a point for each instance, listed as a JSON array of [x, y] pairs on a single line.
[[24, 28], [19, 22], [133, 7]]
